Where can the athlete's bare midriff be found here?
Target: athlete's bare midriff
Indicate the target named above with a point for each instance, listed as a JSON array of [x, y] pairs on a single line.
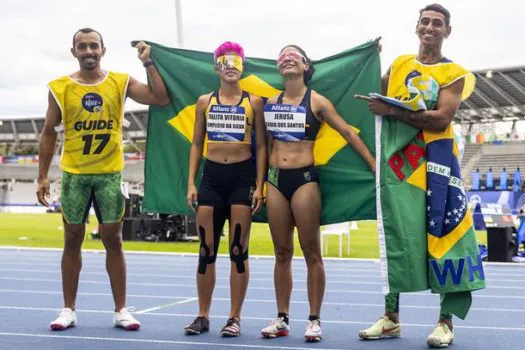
[[292, 155], [228, 153]]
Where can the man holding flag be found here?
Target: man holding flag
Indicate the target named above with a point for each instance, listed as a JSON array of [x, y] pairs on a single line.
[[88, 106], [419, 174]]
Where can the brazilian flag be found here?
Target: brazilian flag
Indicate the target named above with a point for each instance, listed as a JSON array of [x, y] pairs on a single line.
[[347, 184]]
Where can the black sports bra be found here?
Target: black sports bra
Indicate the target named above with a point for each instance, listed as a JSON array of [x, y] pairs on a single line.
[[312, 123]]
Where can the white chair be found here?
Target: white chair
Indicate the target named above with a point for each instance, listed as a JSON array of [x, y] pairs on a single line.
[[342, 229]]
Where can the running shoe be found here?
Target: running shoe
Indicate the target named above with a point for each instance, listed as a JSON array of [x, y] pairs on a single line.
[[232, 328], [441, 336], [276, 328], [123, 319], [199, 325], [313, 332], [66, 318], [383, 328]]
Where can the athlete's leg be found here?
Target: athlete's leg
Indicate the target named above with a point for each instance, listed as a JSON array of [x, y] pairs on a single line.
[[108, 203], [111, 235], [444, 315], [71, 262], [306, 206], [442, 335], [392, 307], [71, 265], [240, 225], [75, 198], [210, 221], [280, 220]]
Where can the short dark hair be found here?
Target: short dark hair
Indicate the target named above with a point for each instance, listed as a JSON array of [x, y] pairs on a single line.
[[85, 31], [437, 8], [311, 70]]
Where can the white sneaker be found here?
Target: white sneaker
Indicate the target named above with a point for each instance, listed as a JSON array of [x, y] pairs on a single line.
[[125, 320], [441, 336], [313, 331], [66, 318], [383, 328], [276, 328]]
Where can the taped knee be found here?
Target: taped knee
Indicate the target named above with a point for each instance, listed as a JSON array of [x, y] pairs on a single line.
[[237, 254], [206, 256]]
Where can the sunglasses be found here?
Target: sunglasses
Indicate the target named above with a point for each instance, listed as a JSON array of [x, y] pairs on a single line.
[[290, 56]]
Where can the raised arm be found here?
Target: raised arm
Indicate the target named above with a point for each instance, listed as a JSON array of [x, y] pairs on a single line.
[[437, 120], [46, 149], [157, 94], [327, 111]]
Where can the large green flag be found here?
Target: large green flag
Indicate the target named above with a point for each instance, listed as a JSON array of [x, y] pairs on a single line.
[[347, 185]]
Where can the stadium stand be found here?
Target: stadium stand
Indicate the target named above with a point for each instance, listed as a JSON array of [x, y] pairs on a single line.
[[499, 97], [133, 172], [499, 156]]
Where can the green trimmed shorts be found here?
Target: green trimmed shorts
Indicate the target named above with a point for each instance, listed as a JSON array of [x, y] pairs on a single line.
[[79, 191]]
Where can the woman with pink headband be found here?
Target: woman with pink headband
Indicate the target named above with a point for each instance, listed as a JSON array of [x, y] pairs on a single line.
[[293, 120], [231, 186]]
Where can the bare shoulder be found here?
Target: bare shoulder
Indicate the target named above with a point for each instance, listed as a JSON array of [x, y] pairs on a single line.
[[455, 86], [204, 99], [256, 101], [319, 99], [255, 98], [273, 99]]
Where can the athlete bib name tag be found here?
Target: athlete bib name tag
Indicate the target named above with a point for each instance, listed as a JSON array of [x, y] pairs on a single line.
[[285, 122], [226, 123]]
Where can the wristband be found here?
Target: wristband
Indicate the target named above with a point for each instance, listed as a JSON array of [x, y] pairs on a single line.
[[148, 63]]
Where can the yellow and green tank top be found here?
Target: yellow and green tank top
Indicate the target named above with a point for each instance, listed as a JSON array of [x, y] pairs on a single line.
[[92, 117], [436, 76]]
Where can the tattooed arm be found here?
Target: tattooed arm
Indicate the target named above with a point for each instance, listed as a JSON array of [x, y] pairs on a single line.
[[439, 119]]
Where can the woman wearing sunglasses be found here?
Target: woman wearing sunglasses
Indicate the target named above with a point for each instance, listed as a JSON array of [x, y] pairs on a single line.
[[293, 120], [231, 186]]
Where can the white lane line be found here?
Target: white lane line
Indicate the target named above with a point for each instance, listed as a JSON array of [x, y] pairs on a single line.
[[248, 300], [166, 305], [330, 272], [330, 276], [172, 264], [331, 290], [104, 273], [158, 341], [50, 252], [171, 285], [261, 258], [521, 329], [227, 278], [102, 268]]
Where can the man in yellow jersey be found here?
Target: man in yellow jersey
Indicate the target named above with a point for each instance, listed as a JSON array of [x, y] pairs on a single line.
[[454, 84], [90, 105]]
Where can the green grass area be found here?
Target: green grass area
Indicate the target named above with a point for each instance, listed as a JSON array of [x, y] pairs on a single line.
[[46, 230]]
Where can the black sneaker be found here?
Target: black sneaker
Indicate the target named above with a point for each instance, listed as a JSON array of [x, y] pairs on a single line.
[[232, 328], [199, 325]]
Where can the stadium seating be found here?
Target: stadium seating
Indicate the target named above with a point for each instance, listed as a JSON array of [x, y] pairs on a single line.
[[483, 157]]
